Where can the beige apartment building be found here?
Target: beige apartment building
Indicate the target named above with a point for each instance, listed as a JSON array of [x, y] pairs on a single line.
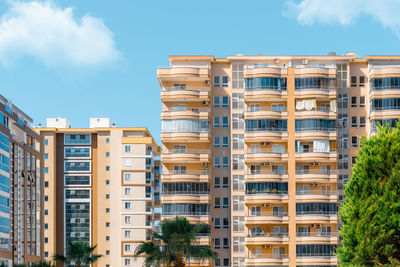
[[101, 185], [21, 186], [259, 148]]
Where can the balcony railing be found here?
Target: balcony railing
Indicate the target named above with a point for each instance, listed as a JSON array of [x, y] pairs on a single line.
[[323, 213], [194, 110], [252, 172], [186, 193], [268, 234], [258, 151], [270, 213], [202, 172], [188, 151], [316, 129], [180, 213], [168, 89], [322, 109], [267, 192], [268, 256], [317, 234], [266, 109], [317, 192], [323, 172], [275, 130], [315, 255]]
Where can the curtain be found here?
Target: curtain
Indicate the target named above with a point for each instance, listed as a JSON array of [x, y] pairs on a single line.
[[321, 145], [332, 106]]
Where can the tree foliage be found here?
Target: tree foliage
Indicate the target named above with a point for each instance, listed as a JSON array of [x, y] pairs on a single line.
[[174, 244], [79, 252], [371, 210]]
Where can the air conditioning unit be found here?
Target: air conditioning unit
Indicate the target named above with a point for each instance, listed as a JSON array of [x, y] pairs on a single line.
[[266, 164], [205, 164], [314, 164], [304, 62], [265, 143], [266, 246], [205, 103], [276, 60], [207, 82]]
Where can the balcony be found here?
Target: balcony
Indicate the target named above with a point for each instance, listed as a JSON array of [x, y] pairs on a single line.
[[269, 237], [267, 259], [264, 71], [260, 135], [197, 176], [321, 258], [330, 237], [187, 156], [266, 174], [173, 94], [311, 155], [263, 155], [257, 95], [316, 132], [330, 195], [185, 137], [262, 217], [179, 73], [202, 239], [385, 113], [264, 112], [321, 86], [315, 175], [317, 216], [262, 197], [180, 196], [190, 113], [193, 217], [321, 112]]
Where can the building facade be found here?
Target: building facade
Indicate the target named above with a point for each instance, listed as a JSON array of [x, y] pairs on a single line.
[[101, 186], [259, 148], [21, 204]]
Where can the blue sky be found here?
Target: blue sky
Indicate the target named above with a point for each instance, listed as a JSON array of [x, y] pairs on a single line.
[[108, 67]]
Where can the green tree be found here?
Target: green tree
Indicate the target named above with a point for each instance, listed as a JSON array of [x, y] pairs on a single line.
[[79, 252], [42, 263], [174, 244], [371, 210]]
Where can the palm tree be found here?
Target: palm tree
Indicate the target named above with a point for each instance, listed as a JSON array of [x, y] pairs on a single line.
[[174, 244], [79, 252], [42, 263]]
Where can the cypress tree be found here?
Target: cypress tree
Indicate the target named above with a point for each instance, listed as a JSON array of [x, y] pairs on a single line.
[[370, 212]]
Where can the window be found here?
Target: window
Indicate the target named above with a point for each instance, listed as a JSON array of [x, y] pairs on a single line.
[[353, 160], [216, 81], [107, 154], [217, 263], [362, 121], [179, 169], [342, 101], [217, 162], [238, 224], [237, 121], [217, 243], [127, 149], [225, 141], [179, 86], [46, 184], [238, 162], [46, 240], [127, 233], [217, 122], [224, 81], [46, 155], [179, 149], [127, 219], [127, 205], [225, 162], [217, 182], [354, 141], [46, 226], [107, 196], [238, 141], [107, 253], [216, 102], [225, 203], [353, 101], [362, 101], [108, 167], [107, 210], [343, 162], [107, 182], [238, 203], [238, 182], [46, 198], [225, 122], [217, 223], [127, 247], [353, 121], [226, 262], [343, 121], [217, 202], [225, 244], [225, 101], [353, 81], [46, 212], [127, 176], [127, 191], [237, 101], [239, 262], [107, 140], [46, 142], [46, 170], [217, 141], [46, 254], [225, 223], [225, 182], [127, 261], [362, 80], [107, 224]]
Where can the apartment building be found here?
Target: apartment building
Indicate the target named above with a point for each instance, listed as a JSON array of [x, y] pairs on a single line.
[[101, 186], [259, 147], [21, 204]]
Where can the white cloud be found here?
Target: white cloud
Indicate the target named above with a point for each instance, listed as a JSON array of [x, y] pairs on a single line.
[[345, 12], [53, 36]]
